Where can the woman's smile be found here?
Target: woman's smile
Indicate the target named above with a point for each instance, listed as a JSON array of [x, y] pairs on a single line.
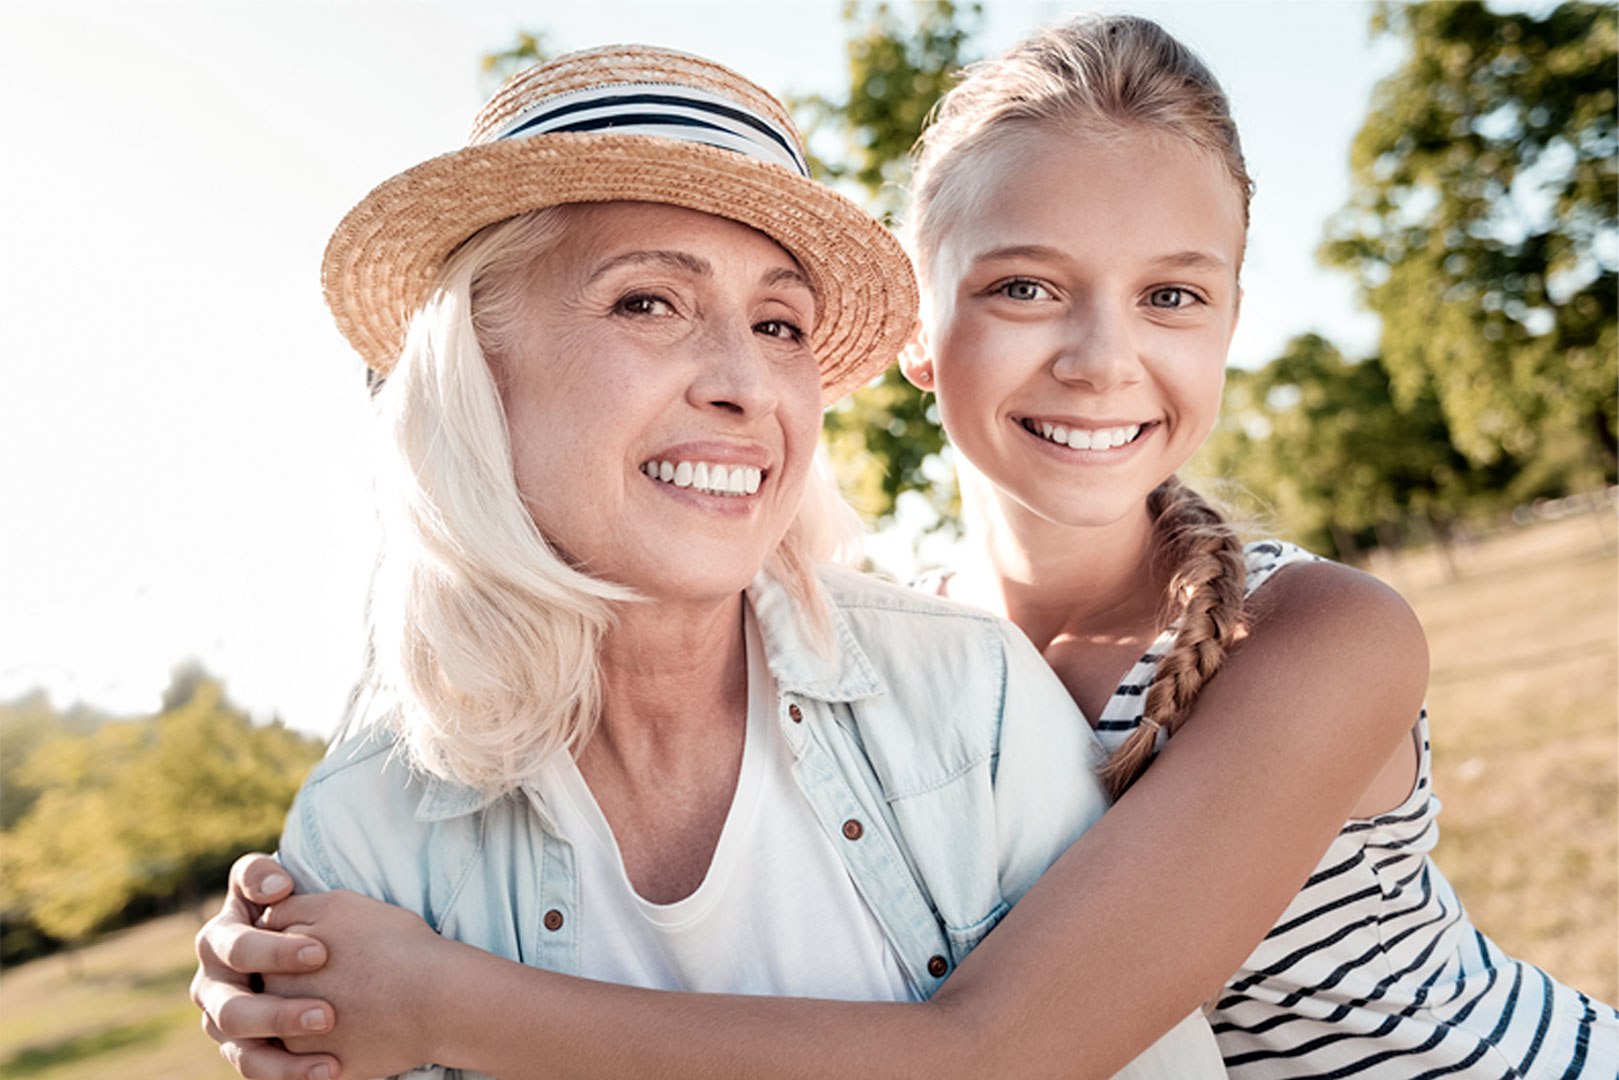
[[688, 334], [711, 475]]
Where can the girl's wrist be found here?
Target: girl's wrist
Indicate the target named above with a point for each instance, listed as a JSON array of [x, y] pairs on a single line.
[[454, 1014]]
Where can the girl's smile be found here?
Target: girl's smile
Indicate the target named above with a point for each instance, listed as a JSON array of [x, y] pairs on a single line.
[[1078, 318]]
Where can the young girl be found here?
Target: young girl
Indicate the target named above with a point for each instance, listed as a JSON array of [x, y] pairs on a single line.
[[1078, 221]]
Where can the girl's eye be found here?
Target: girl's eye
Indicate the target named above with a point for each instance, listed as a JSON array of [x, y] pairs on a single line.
[[780, 328], [1172, 296], [1023, 289], [644, 304]]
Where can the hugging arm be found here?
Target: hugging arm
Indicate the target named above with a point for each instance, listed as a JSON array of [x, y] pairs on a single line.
[[1140, 921]]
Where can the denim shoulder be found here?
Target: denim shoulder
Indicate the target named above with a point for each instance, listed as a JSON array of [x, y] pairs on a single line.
[[943, 668], [357, 824]]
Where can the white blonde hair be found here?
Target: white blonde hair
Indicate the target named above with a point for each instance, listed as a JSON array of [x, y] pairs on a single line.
[[483, 640]]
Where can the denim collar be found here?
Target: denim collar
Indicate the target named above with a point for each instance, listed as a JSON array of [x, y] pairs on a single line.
[[842, 673]]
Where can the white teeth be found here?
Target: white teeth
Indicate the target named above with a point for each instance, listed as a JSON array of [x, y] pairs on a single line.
[[707, 478], [1084, 438]]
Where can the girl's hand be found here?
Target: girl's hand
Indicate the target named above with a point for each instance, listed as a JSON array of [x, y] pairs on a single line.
[[384, 964], [231, 950]]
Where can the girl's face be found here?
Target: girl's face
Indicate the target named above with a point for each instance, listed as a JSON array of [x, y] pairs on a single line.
[[1077, 316], [664, 405]]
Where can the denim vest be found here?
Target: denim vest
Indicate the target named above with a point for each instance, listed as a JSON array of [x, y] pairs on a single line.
[[937, 749]]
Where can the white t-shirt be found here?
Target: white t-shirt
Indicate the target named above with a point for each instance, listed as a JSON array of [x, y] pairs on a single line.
[[775, 914]]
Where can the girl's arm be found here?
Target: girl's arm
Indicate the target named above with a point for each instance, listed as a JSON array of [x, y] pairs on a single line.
[[1137, 924]]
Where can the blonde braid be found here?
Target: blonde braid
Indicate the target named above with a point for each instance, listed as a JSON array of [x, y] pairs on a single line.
[[1205, 596]]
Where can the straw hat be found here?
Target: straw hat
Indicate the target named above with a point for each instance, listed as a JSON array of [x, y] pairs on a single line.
[[629, 122]]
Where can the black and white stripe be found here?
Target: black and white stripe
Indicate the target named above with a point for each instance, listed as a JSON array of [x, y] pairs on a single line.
[[685, 113], [1374, 969]]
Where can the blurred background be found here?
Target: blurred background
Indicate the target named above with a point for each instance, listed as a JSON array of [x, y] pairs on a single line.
[[1423, 384]]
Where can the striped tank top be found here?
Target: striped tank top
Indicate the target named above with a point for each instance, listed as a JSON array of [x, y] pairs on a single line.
[[1374, 969]]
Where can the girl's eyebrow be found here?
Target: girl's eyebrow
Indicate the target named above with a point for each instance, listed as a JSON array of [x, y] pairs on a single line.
[[1192, 260], [1019, 251]]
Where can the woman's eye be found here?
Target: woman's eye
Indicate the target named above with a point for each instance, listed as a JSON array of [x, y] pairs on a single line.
[[1023, 289], [1171, 296], [644, 304], [780, 328]]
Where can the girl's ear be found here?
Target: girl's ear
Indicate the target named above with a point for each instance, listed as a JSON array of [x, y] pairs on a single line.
[[915, 361]]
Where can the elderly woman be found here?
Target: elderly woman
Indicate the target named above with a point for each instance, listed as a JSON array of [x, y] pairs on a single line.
[[626, 726]]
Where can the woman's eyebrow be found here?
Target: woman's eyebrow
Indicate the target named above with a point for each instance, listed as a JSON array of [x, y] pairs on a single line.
[[786, 275], [674, 260]]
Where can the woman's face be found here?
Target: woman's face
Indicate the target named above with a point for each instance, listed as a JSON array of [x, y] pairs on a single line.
[[1078, 317], [663, 403]]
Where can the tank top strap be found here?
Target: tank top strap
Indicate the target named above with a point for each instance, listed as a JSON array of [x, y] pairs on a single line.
[[1265, 557]]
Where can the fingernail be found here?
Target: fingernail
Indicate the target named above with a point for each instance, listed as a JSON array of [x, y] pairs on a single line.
[[320, 1072], [309, 956], [314, 1020], [273, 884]]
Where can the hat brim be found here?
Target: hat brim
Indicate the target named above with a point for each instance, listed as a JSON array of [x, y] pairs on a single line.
[[381, 262]]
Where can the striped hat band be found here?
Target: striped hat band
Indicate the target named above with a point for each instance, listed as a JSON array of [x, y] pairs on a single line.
[[670, 111]]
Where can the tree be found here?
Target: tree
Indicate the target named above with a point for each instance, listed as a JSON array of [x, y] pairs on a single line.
[[136, 810], [885, 438], [1482, 228], [1325, 445], [529, 48]]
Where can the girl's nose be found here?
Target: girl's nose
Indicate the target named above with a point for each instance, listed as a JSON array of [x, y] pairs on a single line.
[[1098, 349]]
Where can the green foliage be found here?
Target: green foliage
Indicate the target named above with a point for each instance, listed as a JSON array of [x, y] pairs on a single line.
[[529, 48], [883, 436], [135, 810], [898, 68], [1334, 455], [1482, 229]]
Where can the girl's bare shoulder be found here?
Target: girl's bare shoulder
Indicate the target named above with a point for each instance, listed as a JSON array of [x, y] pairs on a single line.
[[1328, 623]]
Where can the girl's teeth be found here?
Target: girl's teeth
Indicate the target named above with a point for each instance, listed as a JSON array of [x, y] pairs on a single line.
[[1085, 439], [709, 479]]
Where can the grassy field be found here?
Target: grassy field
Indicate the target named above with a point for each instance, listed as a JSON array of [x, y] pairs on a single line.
[[1522, 707], [1525, 646]]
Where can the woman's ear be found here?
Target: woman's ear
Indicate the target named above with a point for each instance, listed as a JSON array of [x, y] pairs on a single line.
[[915, 361]]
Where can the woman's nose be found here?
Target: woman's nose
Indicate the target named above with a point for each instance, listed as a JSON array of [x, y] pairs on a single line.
[[733, 373], [1097, 350]]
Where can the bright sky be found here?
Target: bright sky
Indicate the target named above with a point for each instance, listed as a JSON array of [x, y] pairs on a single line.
[[182, 466]]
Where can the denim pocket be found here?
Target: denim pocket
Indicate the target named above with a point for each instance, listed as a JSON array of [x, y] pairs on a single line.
[[965, 939]]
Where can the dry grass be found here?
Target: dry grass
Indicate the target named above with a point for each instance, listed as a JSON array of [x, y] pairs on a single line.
[[1525, 727], [1525, 646], [115, 1009]]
